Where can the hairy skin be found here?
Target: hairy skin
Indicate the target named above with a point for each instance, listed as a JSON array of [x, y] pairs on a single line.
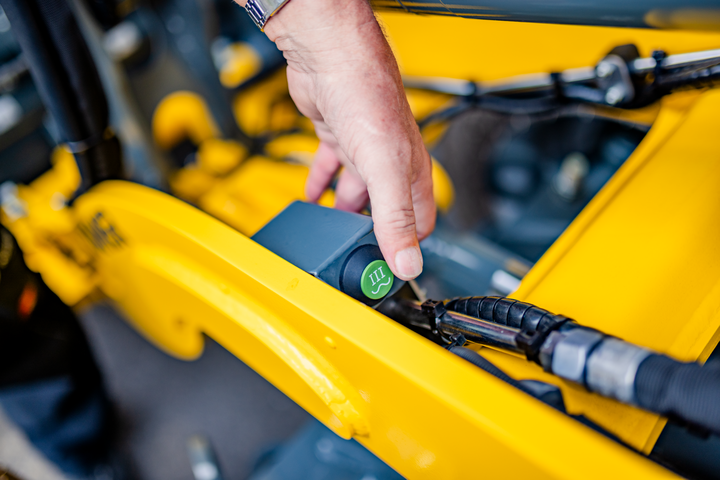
[[343, 76]]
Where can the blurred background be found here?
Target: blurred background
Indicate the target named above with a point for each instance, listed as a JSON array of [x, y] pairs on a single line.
[[198, 98]]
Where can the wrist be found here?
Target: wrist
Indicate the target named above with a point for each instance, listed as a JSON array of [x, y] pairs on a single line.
[[333, 18]]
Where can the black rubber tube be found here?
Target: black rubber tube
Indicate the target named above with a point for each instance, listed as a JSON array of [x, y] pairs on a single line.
[[688, 392], [68, 82], [684, 391]]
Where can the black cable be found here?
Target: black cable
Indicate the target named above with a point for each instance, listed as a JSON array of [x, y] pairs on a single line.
[[445, 114], [545, 392], [485, 365], [494, 103], [518, 106]]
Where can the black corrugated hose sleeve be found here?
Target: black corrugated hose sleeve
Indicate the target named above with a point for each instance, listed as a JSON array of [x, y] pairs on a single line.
[[505, 311], [686, 391], [68, 82]]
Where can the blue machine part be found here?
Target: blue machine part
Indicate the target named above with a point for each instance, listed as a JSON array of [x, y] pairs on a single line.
[[332, 245], [316, 453], [463, 264]]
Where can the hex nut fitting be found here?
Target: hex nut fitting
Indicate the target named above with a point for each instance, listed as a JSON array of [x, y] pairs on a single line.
[[570, 354]]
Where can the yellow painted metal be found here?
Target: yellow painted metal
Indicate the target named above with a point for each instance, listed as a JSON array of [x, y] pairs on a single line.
[[220, 157], [256, 192], [241, 63], [177, 273], [645, 248], [423, 103], [248, 196], [443, 189], [45, 230], [297, 147], [641, 261], [214, 159], [182, 115], [190, 183], [267, 106], [484, 50]]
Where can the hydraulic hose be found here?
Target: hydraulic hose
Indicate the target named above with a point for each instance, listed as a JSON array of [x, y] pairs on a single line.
[[68, 82], [409, 314], [686, 391], [447, 323], [601, 363]]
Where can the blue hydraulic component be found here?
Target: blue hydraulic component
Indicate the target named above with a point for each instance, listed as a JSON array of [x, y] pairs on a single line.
[[457, 264], [337, 247], [316, 453]]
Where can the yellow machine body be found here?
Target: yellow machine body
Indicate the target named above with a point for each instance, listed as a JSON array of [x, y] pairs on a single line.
[[177, 273], [641, 262]]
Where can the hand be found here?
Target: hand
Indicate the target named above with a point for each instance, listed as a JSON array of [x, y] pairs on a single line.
[[343, 76]]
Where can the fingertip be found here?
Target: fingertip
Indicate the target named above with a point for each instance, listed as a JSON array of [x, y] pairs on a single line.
[[313, 191], [322, 171], [408, 263]]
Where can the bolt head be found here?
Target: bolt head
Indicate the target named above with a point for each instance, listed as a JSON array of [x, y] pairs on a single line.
[[604, 69], [614, 95]]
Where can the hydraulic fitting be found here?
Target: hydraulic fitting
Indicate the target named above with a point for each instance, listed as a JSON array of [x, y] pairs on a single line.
[[612, 368], [571, 353]]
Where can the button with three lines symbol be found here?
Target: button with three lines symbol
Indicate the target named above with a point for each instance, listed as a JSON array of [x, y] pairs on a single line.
[[376, 280]]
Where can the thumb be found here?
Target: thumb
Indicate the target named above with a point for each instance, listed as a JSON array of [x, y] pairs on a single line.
[[394, 219]]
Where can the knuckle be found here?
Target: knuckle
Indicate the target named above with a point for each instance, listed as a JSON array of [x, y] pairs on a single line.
[[397, 221]]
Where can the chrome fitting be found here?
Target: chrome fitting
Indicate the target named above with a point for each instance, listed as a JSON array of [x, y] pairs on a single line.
[[570, 354], [612, 367]]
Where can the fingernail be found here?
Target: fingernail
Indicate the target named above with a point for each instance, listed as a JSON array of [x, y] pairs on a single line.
[[409, 263]]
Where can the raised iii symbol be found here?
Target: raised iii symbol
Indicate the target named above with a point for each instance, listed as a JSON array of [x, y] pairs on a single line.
[[376, 276], [377, 280]]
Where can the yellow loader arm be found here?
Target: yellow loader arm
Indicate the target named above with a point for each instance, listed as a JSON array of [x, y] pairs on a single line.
[[179, 274]]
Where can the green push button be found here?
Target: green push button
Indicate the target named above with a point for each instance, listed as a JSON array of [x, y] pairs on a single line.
[[377, 280]]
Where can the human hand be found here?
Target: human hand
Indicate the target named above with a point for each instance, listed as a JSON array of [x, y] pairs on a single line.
[[343, 76]]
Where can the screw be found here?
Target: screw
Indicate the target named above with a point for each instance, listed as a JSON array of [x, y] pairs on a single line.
[[614, 95], [604, 69]]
